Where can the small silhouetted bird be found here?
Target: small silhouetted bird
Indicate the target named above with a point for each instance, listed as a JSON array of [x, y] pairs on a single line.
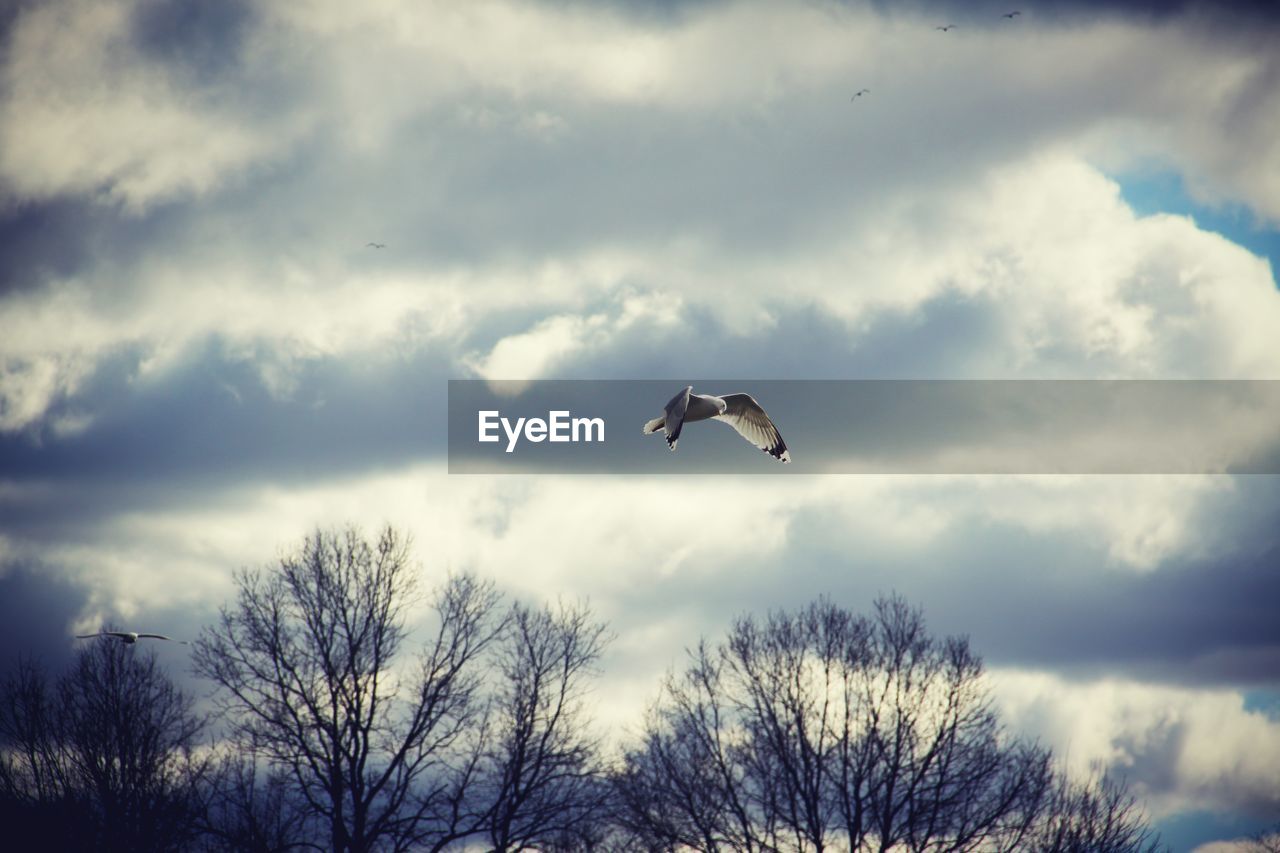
[[1012, 14], [946, 28], [377, 245], [860, 93]]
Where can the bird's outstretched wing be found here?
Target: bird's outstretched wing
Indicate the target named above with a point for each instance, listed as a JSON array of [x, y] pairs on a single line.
[[675, 416], [745, 415], [160, 637], [103, 634]]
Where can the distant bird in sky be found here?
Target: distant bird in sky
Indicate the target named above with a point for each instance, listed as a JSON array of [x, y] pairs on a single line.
[[860, 93], [739, 411], [130, 637], [377, 245], [1012, 14], [946, 28]]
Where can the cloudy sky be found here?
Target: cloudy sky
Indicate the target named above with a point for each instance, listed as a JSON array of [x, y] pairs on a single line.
[[201, 358]]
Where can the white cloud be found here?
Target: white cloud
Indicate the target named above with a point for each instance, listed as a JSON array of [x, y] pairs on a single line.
[[55, 338], [528, 51], [1184, 749], [633, 540], [556, 341], [84, 112], [87, 112], [1076, 284], [775, 195], [28, 387], [1122, 90]]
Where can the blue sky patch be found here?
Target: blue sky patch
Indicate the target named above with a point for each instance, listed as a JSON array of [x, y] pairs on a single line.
[[1151, 192], [1185, 831]]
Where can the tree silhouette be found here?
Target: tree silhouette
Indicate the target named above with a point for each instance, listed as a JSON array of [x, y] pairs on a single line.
[[1267, 841], [250, 807], [307, 658], [550, 785], [482, 737], [1096, 815], [821, 729], [102, 759]]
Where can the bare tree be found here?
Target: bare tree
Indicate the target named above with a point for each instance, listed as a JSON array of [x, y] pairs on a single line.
[[251, 807], [823, 730], [548, 785], [684, 786], [104, 758], [1095, 816], [34, 767], [1266, 841], [307, 658]]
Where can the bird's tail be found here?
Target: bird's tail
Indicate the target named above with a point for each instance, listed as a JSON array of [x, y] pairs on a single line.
[[654, 425]]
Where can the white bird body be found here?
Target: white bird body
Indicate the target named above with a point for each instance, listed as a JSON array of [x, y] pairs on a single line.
[[129, 637], [739, 411]]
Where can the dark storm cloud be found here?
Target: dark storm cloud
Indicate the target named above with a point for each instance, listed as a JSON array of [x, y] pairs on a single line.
[[1049, 601], [40, 240], [36, 616], [9, 14], [62, 238], [1192, 621], [210, 421], [200, 37]]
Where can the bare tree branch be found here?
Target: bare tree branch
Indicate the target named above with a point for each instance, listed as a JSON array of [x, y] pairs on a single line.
[[548, 781], [307, 657], [821, 730], [103, 758]]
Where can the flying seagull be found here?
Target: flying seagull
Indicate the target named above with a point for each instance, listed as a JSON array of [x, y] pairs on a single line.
[[1011, 15], [860, 93], [739, 411], [129, 637], [946, 28], [376, 245]]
